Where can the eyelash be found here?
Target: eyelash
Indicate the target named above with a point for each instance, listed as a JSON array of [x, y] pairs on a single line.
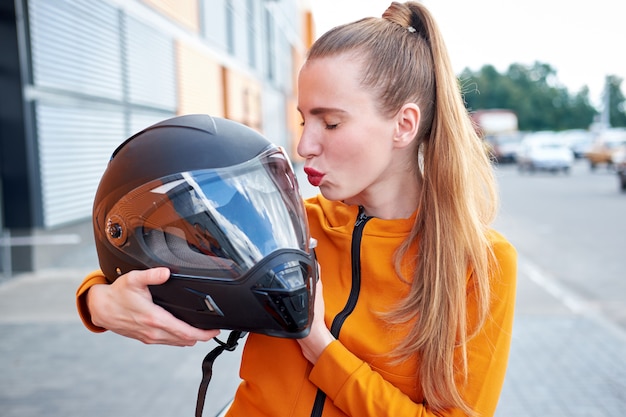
[[328, 126]]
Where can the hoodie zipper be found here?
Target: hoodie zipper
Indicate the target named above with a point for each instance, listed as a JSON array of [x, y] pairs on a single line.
[[340, 318]]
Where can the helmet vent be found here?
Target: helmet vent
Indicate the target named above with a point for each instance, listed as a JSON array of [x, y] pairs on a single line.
[[116, 230]]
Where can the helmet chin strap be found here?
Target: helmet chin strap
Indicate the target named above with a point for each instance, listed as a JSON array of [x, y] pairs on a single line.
[[207, 365]]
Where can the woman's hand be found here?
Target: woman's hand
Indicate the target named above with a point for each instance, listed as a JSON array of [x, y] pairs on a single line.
[[125, 307], [320, 337]]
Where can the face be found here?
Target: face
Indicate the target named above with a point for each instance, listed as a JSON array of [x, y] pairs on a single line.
[[348, 145]]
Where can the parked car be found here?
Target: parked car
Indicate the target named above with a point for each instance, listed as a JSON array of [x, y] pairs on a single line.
[[543, 151], [607, 142], [579, 141], [504, 146]]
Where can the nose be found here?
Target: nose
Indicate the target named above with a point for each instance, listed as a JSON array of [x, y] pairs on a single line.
[[308, 146]]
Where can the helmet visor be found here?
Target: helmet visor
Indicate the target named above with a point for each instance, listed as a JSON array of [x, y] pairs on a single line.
[[216, 222]]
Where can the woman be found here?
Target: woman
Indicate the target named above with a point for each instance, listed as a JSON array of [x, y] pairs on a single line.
[[416, 309]]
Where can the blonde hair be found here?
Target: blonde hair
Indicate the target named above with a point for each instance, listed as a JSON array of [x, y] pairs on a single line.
[[405, 60]]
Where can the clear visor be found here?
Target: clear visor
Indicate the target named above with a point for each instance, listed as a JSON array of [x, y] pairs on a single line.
[[215, 222]]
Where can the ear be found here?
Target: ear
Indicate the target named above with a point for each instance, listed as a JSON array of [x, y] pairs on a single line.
[[407, 123]]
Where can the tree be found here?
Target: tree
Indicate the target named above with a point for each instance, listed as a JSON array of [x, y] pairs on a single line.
[[616, 101], [533, 92], [580, 115]]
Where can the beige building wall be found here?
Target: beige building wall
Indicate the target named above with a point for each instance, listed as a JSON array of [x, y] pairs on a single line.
[[184, 12], [200, 87], [243, 99]]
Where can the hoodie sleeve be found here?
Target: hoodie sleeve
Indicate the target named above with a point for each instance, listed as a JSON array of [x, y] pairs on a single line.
[[95, 277]]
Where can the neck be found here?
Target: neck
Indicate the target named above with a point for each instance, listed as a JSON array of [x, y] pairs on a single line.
[[388, 202], [389, 213]]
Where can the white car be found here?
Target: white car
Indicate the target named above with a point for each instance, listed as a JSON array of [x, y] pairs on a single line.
[[544, 153], [579, 141]]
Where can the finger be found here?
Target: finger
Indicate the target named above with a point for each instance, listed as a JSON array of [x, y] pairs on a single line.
[[153, 276], [181, 336], [179, 329], [185, 331], [161, 337], [161, 327]]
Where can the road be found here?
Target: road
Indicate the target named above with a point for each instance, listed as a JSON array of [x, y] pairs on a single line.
[[572, 229]]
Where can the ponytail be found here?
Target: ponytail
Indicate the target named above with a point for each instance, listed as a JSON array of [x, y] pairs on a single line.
[[405, 60]]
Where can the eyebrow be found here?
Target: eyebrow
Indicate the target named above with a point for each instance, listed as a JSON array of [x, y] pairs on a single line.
[[324, 110]]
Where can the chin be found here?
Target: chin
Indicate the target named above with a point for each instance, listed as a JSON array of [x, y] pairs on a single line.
[[330, 194], [334, 194]]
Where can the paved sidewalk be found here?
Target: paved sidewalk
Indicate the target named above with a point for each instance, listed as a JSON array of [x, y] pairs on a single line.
[[563, 363], [50, 365], [566, 361]]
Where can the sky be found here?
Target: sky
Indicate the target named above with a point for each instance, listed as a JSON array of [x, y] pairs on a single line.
[[582, 40]]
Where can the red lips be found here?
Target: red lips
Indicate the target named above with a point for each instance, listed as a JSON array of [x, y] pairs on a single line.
[[314, 176]]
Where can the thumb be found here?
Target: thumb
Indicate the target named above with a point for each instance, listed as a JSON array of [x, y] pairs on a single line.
[[153, 276]]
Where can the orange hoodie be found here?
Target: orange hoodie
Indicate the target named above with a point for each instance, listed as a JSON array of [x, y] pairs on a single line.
[[354, 372]]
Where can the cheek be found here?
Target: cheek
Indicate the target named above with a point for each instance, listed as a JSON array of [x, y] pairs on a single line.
[[344, 151], [359, 158]]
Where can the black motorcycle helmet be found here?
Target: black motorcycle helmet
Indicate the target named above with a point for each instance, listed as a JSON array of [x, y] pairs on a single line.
[[219, 205]]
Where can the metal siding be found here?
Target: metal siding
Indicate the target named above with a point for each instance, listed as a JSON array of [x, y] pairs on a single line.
[[81, 52], [75, 46], [270, 46], [283, 69], [100, 75], [274, 118], [214, 23], [252, 32], [77, 59], [74, 146], [151, 68], [240, 31]]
